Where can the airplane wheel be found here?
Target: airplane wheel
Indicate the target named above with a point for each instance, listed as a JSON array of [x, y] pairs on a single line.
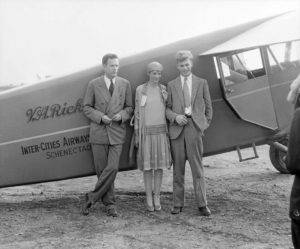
[[278, 157]]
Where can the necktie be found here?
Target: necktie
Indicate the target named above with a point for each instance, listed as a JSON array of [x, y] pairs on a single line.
[[111, 87], [186, 93]]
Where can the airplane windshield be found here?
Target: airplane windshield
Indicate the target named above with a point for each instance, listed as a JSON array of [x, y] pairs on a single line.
[[242, 66], [284, 55]]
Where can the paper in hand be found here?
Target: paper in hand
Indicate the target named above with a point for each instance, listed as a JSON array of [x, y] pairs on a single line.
[[143, 100]]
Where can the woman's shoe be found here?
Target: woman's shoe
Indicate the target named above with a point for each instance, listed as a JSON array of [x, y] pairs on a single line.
[[150, 208], [157, 205], [157, 208]]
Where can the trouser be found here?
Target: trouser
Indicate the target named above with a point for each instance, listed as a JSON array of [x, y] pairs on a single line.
[[188, 146], [296, 233], [106, 160]]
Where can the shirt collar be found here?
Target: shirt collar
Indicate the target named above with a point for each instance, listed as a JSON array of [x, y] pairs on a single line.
[[189, 78], [108, 79]]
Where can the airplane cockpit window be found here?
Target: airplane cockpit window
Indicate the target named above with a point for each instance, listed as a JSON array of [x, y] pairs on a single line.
[[245, 85], [284, 55], [242, 66]]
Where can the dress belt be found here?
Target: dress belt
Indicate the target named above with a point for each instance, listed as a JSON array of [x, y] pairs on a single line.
[[156, 129]]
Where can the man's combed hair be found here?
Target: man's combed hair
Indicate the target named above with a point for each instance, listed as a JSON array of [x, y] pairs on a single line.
[[182, 55], [106, 57]]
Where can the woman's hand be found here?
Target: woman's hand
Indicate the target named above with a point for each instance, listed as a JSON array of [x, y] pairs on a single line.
[[164, 94]]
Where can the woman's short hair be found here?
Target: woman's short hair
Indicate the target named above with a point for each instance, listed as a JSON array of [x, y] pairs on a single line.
[[154, 66], [182, 55]]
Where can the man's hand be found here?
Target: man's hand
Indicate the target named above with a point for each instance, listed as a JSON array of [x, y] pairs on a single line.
[[117, 117], [181, 120], [106, 120]]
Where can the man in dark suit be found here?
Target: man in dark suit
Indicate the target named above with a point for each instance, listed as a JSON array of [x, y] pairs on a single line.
[[189, 111], [293, 165], [108, 104], [293, 162]]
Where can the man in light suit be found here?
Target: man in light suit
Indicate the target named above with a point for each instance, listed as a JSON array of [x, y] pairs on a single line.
[[108, 104], [189, 111]]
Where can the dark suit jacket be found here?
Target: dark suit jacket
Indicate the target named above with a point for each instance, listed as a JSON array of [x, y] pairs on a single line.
[[293, 164], [98, 102], [200, 102]]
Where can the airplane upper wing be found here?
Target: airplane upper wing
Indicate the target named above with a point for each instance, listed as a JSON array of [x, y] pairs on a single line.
[[285, 27]]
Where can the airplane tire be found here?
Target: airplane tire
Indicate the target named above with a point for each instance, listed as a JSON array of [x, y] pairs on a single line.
[[278, 157]]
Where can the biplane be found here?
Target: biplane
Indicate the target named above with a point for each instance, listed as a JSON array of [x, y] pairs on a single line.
[[44, 135]]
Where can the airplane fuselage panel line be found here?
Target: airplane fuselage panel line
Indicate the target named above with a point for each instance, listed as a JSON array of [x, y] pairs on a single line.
[[44, 135]]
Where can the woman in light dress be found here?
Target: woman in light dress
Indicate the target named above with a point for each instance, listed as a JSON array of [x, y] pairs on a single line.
[[151, 138]]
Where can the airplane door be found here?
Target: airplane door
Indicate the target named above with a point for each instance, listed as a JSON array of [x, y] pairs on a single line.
[[246, 87]]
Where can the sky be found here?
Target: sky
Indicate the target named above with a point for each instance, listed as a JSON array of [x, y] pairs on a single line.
[[57, 37]]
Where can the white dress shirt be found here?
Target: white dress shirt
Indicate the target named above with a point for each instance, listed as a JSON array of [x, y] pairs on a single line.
[[107, 81], [187, 110]]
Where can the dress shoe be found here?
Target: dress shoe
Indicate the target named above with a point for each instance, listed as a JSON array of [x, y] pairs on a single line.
[[204, 211], [176, 210], [111, 211], [85, 207]]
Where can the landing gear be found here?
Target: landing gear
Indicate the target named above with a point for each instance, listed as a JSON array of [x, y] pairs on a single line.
[[278, 155]]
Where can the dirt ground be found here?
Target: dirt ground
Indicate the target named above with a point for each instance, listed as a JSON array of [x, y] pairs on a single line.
[[249, 203]]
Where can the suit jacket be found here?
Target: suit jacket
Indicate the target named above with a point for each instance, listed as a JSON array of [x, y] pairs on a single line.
[[293, 164], [200, 103], [98, 102]]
